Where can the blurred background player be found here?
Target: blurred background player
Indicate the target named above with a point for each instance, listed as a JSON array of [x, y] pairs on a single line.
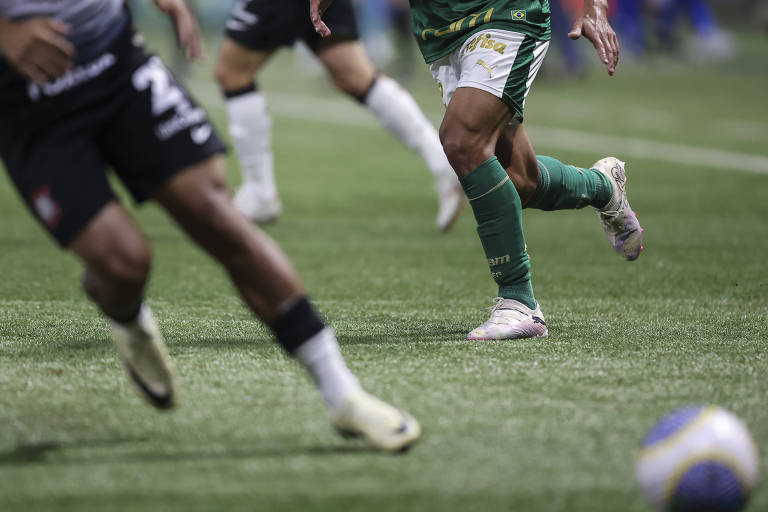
[[710, 41], [79, 93], [484, 55], [255, 30]]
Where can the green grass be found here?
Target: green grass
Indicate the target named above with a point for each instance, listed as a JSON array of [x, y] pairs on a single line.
[[546, 425]]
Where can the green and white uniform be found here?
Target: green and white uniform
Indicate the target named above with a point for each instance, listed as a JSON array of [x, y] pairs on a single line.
[[494, 45]]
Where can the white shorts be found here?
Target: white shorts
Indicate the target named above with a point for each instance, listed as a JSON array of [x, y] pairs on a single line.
[[501, 62]]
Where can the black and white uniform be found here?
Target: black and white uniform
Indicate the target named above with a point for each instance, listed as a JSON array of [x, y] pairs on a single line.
[[270, 24], [118, 107]]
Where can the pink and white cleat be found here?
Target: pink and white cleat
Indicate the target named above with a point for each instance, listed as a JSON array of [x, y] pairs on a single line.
[[511, 320], [620, 223]]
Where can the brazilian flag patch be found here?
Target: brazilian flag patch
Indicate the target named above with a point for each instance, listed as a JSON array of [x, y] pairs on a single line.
[[518, 15]]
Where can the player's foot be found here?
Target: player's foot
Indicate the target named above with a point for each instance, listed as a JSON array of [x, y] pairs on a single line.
[[142, 351], [250, 200], [385, 427], [619, 221], [451, 201], [511, 320]]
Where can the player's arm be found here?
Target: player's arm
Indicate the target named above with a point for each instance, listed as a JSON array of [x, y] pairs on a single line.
[[593, 24], [185, 23], [37, 48], [316, 10]]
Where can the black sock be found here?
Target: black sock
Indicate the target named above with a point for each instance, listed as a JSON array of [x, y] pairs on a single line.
[[251, 87], [127, 314], [296, 325]]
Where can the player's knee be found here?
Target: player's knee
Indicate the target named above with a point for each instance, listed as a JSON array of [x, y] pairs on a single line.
[[212, 207], [465, 150], [223, 74], [352, 85], [127, 266], [229, 77]]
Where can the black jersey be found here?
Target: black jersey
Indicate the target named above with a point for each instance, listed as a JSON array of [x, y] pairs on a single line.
[[121, 109], [270, 24], [95, 23]]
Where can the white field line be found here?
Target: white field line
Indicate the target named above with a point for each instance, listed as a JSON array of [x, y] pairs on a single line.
[[630, 147], [345, 112]]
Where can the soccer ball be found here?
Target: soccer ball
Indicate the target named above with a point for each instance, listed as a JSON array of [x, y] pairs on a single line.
[[698, 458]]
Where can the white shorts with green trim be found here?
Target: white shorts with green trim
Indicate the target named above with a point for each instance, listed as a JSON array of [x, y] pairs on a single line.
[[501, 62]]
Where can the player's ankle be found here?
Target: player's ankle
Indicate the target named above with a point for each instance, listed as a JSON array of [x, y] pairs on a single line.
[[302, 333], [124, 314]]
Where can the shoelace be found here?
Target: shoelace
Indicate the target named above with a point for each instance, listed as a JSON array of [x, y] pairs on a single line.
[[499, 301]]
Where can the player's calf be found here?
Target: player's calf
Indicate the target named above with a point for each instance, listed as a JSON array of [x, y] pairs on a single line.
[[117, 261]]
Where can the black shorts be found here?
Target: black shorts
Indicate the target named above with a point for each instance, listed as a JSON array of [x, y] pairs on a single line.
[[123, 109], [269, 24]]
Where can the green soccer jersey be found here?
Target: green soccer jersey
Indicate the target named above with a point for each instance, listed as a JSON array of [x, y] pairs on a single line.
[[440, 26]]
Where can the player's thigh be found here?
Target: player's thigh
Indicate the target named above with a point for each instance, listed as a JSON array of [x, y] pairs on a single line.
[[196, 192], [237, 65], [200, 202], [471, 127], [348, 66], [501, 62]]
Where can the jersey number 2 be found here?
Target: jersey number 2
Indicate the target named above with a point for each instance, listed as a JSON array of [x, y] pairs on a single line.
[[165, 94]]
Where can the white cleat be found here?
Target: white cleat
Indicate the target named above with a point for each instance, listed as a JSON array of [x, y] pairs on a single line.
[[145, 359], [620, 223], [511, 320], [250, 200], [382, 425], [451, 201]]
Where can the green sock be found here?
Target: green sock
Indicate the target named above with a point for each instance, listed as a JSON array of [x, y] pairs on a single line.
[[498, 213], [565, 187]]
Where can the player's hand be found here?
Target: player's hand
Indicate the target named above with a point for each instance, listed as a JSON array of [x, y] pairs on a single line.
[[187, 29], [37, 48], [316, 10], [593, 24]]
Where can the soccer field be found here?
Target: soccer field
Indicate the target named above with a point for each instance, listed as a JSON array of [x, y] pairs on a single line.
[[532, 425]]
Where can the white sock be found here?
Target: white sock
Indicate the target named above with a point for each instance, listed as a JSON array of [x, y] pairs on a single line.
[[397, 111], [321, 356], [144, 322], [250, 127]]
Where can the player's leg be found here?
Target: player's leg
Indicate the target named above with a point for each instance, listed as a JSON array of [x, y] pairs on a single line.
[[250, 128], [198, 199], [61, 175], [352, 72], [117, 260], [484, 84], [546, 183], [470, 130]]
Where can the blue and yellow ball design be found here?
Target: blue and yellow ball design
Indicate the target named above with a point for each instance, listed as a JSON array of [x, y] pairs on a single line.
[[698, 458]]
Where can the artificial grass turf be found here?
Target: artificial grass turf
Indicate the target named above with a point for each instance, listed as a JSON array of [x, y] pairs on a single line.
[[544, 425]]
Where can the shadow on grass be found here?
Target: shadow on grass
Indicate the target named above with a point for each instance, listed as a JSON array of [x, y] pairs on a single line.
[[442, 336], [45, 452], [448, 333]]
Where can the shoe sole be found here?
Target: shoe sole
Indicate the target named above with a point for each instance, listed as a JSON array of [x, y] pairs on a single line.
[[162, 402], [410, 430], [530, 331]]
